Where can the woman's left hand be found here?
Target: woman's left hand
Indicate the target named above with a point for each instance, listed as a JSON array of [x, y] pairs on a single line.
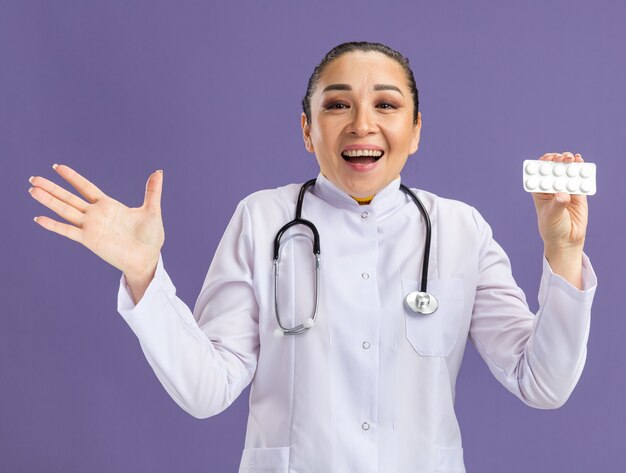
[[562, 220]]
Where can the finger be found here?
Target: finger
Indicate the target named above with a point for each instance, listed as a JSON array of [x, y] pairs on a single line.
[[154, 187], [62, 209], [562, 197], [82, 185], [568, 157], [550, 157], [62, 229], [60, 193], [551, 204], [579, 199], [543, 195], [578, 158]]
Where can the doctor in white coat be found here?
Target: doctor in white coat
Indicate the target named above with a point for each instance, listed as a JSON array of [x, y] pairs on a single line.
[[370, 387]]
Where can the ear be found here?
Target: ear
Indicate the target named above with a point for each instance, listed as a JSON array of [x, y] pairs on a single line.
[[415, 139], [306, 134]]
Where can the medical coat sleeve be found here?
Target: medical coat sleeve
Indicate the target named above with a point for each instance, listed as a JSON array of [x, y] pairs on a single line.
[[206, 358], [539, 357]]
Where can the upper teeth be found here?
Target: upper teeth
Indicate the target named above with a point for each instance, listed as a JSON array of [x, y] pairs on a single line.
[[363, 152]]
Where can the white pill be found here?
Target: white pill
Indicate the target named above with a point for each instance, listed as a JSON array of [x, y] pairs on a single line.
[[558, 170], [585, 171], [532, 168], [559, 184], [545, 169], [572, 170], [572, 186], [532, 183], [545, 184], [585, 186]]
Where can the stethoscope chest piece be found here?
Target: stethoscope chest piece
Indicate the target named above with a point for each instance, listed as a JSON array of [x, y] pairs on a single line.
[[421, 303]]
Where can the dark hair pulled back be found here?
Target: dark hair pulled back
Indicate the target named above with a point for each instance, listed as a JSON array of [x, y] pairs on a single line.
[[363, 46]]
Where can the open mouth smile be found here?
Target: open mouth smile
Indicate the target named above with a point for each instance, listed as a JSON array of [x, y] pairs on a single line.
[[362, 156]]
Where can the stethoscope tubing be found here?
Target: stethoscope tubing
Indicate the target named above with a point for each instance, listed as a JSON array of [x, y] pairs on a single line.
[[420, 302], [420, 206]]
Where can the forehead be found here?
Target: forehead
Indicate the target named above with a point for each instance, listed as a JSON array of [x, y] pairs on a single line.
[[360, 68]]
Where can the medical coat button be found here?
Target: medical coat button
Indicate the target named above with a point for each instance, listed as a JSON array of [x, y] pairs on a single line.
[[364, 215], [365, 426], [366, 345], [365, 276]]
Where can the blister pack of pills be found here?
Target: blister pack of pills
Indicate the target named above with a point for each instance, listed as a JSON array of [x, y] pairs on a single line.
[[552, 177]]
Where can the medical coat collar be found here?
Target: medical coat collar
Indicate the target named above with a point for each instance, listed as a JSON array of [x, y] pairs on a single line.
[[387, 199]]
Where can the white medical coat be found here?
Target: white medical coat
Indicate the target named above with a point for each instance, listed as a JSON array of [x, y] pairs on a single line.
[[370, 388]]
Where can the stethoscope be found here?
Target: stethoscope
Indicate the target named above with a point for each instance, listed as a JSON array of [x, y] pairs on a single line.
[[420, 302]]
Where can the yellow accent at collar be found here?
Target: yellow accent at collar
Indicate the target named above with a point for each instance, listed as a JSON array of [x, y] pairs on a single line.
[[363, 200]]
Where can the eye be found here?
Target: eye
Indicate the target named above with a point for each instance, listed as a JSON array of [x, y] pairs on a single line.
[[386, 106], [335, 106]]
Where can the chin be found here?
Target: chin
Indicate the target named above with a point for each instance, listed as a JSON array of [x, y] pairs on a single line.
[[365, 188], [358, 186], [362, 194], [362, 191]]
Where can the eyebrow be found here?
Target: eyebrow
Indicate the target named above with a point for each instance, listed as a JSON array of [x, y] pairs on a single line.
[[348, 87], [337, 87], [387, 87]]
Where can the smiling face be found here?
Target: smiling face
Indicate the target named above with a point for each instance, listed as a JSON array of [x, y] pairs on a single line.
[[362, 128]]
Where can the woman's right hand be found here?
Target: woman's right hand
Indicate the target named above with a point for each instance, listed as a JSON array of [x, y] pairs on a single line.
[[128, 238]]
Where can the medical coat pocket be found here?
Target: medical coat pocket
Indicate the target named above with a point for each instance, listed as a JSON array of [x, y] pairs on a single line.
[[437, 333], [265, 460]]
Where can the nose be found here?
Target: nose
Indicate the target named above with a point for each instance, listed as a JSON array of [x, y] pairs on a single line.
[[363, 121]]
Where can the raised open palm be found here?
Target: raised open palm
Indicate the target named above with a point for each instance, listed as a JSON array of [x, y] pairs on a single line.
[[128, 238]]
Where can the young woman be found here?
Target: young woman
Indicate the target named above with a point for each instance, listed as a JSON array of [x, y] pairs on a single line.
[[357, 378]]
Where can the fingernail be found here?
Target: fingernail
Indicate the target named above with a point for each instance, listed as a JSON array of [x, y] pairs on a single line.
[[31, 190], [160, 170], [35, 219], [54, 166], [559, 198], [30, 179]]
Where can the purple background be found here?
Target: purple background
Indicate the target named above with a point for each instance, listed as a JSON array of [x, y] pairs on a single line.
[[210, 93]]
